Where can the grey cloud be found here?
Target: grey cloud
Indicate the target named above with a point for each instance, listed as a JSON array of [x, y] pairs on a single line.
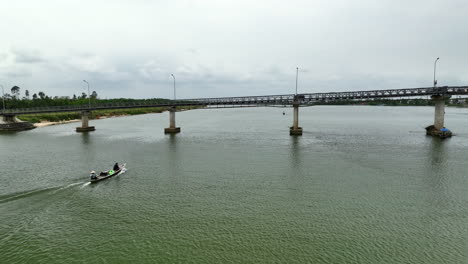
[[3, 56], [193, 51], [235, 48], [17, 72], [27, 56]]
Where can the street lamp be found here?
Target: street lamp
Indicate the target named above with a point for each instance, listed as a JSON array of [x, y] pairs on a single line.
[[174, 85], [435, 64], [3, 97], [89, 98]]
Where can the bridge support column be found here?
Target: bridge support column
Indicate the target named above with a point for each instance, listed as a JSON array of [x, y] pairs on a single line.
[[439, 113], [172, 129], [9, 122], [295, 129], [85, 123], [439, 116]]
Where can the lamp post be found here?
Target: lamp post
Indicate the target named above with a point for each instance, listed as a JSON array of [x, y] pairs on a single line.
[[174, 86], [3, 97], [435, 65], [89, 98]]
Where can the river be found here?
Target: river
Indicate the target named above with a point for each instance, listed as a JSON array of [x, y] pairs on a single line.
[[363, 184]]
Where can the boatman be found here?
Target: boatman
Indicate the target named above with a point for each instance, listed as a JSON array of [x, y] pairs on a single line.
[[93, 175], [116, 166]]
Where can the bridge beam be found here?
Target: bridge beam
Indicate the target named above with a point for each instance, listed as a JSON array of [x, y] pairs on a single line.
[[295, 129], [172, 129], [85, 122]]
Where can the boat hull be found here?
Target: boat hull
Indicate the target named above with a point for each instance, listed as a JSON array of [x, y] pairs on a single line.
[[101, 178]]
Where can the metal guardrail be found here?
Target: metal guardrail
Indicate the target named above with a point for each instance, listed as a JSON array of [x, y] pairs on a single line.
[[244, 101]]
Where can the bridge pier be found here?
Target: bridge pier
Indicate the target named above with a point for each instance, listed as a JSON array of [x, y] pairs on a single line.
[[295, 129], [172, 129], [439, 116], [9, 122], [85, 122]]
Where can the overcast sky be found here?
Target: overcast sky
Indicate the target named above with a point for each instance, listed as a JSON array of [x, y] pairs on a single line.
[[230, 48]]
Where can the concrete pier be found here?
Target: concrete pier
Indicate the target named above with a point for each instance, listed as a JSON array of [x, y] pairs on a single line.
[[295, 129], [439, 113], [439, 116], [10, 122], [172, 129], [85, 123]]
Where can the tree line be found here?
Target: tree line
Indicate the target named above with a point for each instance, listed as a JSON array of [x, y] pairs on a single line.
[[16, 95], [40, 99]]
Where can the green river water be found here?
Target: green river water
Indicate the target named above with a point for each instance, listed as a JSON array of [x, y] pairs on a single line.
[[362, 185]]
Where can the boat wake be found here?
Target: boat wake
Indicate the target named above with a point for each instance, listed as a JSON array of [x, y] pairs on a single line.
[[18, 195], [53, 190], [67, 186], [24, 194]]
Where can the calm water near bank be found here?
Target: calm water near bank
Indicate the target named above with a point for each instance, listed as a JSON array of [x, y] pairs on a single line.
[[362, 185]]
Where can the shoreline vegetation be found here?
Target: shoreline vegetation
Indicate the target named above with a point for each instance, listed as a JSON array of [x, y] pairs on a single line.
[[17, 100], [49, 119]]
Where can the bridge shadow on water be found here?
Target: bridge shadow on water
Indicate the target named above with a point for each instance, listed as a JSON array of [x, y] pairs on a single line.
[[436, 212], [437, 171], [437, 157], [172, 142], [173, 158], [85, 138], [9, 133], [295, 153], [296, 171]]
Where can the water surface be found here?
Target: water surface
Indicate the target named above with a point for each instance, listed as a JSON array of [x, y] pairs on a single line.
[[362, 185]]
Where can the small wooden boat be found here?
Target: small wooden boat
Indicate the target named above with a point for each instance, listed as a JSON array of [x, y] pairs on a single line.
[[107, 174]]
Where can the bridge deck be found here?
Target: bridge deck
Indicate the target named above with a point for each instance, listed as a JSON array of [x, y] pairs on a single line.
[[286, 99]]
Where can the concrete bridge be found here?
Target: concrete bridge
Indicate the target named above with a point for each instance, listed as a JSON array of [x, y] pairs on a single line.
[[8, 120]]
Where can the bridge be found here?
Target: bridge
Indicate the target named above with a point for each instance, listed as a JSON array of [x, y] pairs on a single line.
[[438, 95]]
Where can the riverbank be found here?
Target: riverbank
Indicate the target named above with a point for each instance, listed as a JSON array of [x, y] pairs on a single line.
[[49, 119], [48, 123]]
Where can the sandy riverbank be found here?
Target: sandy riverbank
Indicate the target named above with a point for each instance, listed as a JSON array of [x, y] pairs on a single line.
[[48, 123]]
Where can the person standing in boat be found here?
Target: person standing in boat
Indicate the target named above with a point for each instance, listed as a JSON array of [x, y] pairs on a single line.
[[116, 166], [93, 175]]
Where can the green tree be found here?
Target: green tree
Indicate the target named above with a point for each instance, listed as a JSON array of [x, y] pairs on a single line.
[[15, 91], [42, 95], [26, 93], [94, 95], [34, 96]]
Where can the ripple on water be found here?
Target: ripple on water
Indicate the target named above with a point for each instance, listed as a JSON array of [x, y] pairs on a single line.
[[362, 185]]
